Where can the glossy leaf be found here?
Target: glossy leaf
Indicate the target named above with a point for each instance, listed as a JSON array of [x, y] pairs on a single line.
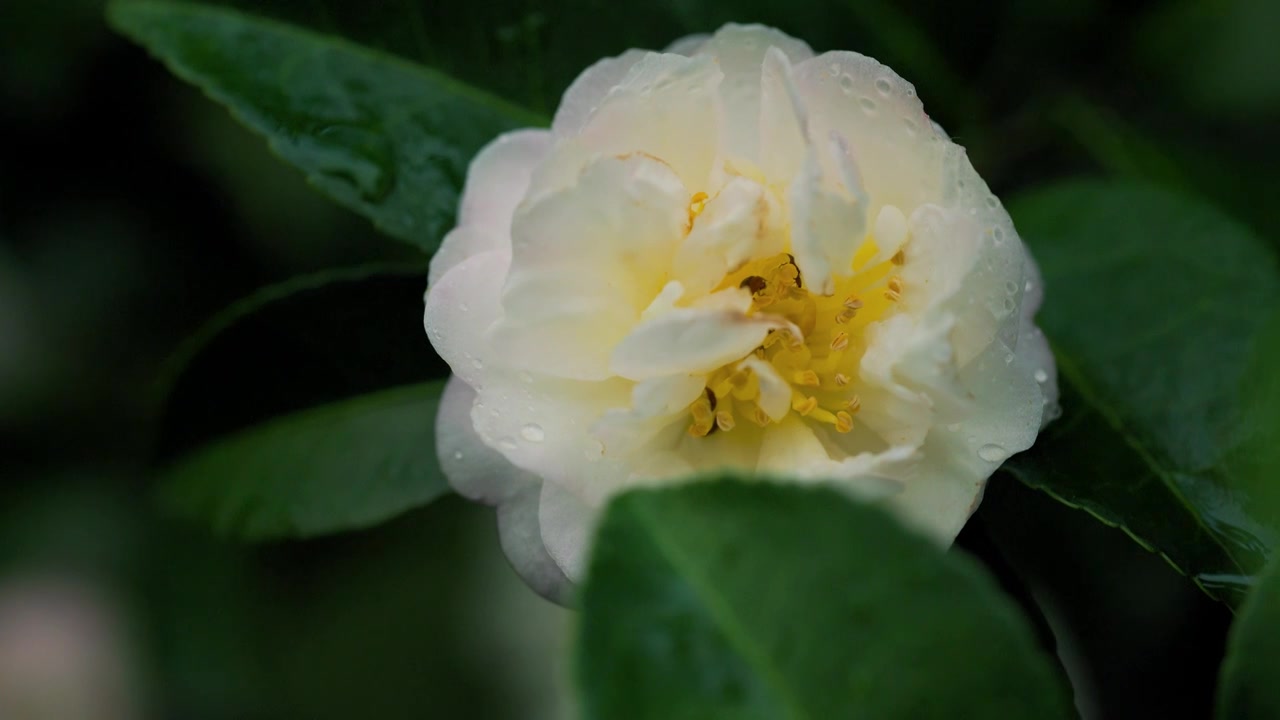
[[341, 466], [384, 137], [1248, 687], [1152, 307], [750, 600]]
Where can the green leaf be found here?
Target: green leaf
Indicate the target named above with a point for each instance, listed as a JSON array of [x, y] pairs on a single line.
[[341, 466], [734, 600], [386, 138], [1248, 686], [1152, 305]]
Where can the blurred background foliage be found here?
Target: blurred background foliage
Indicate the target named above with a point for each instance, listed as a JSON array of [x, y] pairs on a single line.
[[132, 210]]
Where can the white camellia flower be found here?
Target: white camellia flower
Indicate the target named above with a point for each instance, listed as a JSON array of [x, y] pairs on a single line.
[[731, 255]]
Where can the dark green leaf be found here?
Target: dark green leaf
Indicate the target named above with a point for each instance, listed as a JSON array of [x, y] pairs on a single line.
[[346, 465], [734, 600], [1248, 687], [1152, 304], [381, 136]]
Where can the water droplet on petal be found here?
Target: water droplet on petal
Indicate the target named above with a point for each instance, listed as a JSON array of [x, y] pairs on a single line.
[[998, 234], [846, 83], [1011, 287], [507, 443], [868, 105], [1041, 376], [457, 455], [884, 85], [532, 432], [992, 453]]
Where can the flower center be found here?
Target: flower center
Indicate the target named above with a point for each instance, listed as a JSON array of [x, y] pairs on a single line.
[[814, 375]]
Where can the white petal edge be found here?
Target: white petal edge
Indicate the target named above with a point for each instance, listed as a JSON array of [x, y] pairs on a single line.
[[568, 524], [589, 89], [461, 305], [520, 535], [475, 470], [740, 52], [499, 177], [478, 472]]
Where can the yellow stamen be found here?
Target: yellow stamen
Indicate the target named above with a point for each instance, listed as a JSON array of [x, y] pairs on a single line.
[[724, 420], [808, 378], [841, 379], [840, 341], [853, 404], [804, 405], [844, 422]]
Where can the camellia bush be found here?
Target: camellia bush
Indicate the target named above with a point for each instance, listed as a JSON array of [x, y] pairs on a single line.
[[733, 336]]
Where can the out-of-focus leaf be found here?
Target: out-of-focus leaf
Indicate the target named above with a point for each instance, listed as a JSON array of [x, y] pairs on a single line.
[[750, 600], [336, 467], [386, 138], [1151, 304], [1248, 687]]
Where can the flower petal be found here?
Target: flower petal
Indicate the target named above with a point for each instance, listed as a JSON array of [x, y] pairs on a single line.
[[589, 89], [567, 525], [498, 178], [740, 223], [1033, 348], [828, 217], [666, 107], [475, 470], [878, 114], [775, 393], [588, 260], [520, 535], [461, 243], [740, 51], [688, 45], [690, 341], [460, 306], [946, 487], [788, 446]]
